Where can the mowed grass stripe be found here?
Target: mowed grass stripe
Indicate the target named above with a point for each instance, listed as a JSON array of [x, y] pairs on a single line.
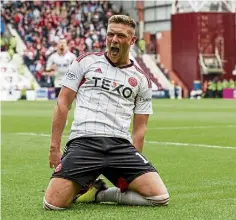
[[201, 180], [147, 141]]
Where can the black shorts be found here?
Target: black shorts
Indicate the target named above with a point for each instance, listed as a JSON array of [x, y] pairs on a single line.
[[85, 158], [57, 91]]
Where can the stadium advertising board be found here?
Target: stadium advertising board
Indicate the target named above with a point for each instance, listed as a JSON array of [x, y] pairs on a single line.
[[229, 93], [160, 94], [45, 94], [42, 94]]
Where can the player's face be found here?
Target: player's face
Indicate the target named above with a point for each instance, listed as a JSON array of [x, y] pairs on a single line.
[[118, 41], [62, 45]]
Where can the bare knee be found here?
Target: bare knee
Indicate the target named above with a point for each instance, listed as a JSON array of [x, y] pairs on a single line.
[[159, 200], [49, 205], [59, 194], [151, 187], [149, 184]]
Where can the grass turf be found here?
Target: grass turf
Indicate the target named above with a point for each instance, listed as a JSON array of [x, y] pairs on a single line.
[[201, 179]]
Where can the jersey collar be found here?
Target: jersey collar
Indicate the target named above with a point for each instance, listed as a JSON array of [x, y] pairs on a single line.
[[121, 67]]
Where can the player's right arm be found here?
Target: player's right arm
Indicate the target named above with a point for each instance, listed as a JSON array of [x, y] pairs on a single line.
[[50, 67], [70, 85], [64, 102]]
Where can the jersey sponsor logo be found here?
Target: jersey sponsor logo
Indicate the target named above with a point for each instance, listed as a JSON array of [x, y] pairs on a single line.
[[70, 76], [132, 81], [142, 99], [62, 65], [113, 86]]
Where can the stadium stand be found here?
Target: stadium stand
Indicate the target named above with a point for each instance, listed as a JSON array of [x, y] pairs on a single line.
[[82, 23], [40, 24], [14, 79], [147, 70]]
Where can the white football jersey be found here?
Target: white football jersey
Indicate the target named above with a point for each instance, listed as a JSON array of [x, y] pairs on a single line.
[[107, 96], [62, 63]]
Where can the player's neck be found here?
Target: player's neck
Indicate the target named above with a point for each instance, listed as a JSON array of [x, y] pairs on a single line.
[[124, 61], [61, 52]]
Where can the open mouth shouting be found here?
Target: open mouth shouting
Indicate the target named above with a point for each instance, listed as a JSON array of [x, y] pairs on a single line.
[[115, 51]]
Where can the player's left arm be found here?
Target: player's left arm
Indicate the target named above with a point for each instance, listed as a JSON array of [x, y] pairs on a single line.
[[139, 130], [142, 110]]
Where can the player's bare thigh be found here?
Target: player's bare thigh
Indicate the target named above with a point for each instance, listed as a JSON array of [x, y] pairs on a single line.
[[61, 192], [148, 184]]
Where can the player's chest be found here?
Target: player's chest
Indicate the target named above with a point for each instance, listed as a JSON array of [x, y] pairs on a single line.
[[62, 61], [112, 80]]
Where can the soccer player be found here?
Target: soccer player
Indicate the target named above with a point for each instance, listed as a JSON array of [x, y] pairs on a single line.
[[58, 63], [109, 88]]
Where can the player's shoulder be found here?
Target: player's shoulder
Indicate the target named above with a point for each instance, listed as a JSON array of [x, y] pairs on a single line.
[[53, 55], [70, 54], [142, 74], [91, 56]]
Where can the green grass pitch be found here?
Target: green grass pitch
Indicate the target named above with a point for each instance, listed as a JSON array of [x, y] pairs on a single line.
[[192, 143]]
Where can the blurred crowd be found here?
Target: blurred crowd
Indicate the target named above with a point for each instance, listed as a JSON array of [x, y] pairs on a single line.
[[7, 41], [214, 88], [41, 24]]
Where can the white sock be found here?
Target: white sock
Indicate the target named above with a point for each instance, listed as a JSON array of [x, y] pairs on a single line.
[[113, 194]]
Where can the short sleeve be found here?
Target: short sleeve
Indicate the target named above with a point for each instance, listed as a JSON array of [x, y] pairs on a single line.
[[74, 75], [143, 103], [73, 57], [49, 62]]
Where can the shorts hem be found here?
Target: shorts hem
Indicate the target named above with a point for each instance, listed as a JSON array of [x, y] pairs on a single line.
[[71, 179], [140, 174]]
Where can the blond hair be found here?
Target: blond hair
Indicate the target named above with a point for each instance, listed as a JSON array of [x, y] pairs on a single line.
[[122, 19]]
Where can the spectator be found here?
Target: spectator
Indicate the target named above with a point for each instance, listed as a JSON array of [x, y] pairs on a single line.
[[12, 46], [2, 26], [142, 45], [231, 84], [225, 84], [3, 43], [205, 89], [43, 22], [212, 89], [219, 89]]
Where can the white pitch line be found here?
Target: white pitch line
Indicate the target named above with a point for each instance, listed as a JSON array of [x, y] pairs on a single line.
[[33, 134], [190, 144], [191, 127], [148, 142], [36, 134]]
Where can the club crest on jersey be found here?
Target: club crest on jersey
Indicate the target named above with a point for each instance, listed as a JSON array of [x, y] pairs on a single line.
[[70, 76], [113, 87], [132, 81]]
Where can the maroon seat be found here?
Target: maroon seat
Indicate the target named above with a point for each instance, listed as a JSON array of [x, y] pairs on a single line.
[[153, 78]]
